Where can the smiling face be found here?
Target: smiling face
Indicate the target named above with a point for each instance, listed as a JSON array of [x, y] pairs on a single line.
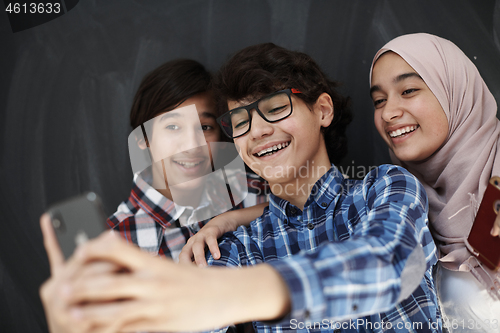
[[178, 142], [408, 116], [277, 151]]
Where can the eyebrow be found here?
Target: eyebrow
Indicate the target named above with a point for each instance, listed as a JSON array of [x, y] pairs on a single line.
[[168, 115], [207, 114], [397, 79]]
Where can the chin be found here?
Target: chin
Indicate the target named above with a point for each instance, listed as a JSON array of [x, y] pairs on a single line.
[[405, 157], [188, 184]]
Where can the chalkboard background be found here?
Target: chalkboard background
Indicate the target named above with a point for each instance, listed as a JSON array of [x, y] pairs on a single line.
[[66, 89]]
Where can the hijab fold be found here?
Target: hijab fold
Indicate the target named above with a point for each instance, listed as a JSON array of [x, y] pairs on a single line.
[[456, 175]]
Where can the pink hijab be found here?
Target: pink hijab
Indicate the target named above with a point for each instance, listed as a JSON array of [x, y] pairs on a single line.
[[456, 175]]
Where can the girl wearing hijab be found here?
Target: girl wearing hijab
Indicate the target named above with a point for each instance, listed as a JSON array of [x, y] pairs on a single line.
[[438, 118]]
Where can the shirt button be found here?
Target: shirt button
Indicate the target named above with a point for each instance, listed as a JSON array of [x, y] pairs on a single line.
[[286, 221], [293, 211], [337, 330], [307, 314], [324, 204], [310, 226], [355, 307]]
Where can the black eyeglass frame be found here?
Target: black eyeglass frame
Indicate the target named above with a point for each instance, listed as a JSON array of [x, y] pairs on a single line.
[[254, 105]]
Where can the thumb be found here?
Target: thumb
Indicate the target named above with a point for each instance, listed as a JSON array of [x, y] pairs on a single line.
[[54, 253]]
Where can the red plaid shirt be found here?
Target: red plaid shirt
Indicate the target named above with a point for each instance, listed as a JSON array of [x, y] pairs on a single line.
[[148, 219]]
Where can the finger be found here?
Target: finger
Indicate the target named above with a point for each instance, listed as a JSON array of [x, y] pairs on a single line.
[[110, 247], [199, 254], [79, 265], [186, 255], [107, 288], [97, 268], [75, 267], [54, 253], [495, 231], [124, 316], [109, 317], [114, 327], [57, 309], [213, 246]]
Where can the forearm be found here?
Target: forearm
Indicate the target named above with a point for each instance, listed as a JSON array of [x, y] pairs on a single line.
[[257, 293], [236, 218], [217, 296]]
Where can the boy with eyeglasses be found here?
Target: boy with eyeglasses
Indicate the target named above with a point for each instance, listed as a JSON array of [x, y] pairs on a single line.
[[329, 254]]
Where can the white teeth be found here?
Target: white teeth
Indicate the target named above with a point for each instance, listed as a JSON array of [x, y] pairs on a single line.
[[188, 164], [272, 149], [402, 131]]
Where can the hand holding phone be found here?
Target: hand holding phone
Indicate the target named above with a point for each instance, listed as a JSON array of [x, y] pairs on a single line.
[[63, 225], [76, 220], [480, 241]]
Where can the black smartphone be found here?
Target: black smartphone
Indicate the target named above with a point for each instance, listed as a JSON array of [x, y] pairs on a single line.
[[76, 220]]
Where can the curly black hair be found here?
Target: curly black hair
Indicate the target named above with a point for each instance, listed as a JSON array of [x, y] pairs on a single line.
[[262, 69]]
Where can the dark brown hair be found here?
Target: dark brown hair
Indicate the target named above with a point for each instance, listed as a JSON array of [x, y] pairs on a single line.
[[166, 87], [265, 68]]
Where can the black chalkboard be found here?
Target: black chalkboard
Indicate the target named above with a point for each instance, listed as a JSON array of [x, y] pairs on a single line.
[[66, 88]]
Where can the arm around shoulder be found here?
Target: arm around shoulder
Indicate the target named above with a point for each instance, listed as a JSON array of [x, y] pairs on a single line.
[[194, 250]]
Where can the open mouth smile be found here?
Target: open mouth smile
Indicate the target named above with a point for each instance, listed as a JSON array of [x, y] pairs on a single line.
[[403, 131], [188, 165], [272, 150]]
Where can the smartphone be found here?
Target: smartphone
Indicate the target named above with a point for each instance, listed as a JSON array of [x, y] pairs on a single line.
[[76, 220], [480, 242]]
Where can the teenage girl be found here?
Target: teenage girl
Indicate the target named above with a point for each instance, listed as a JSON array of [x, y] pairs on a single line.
[[438, 118]]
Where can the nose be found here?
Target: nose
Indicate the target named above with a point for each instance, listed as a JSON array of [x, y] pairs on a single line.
[[259, 127], [392, 110], [194, 138]]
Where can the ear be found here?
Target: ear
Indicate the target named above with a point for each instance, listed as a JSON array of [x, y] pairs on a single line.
[[324, 107], [142, 143]]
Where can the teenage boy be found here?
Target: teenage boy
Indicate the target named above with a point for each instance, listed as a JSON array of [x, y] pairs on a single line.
[[171, 101], [329, 254]]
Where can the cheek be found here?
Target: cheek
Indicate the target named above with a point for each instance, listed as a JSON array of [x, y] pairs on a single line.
[[377, 119], [164, 146], [239, 146], [242, 149], [441, 128], [436, 118], [212, 137]]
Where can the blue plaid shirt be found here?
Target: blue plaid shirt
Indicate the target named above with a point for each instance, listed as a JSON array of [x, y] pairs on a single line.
[[344, 256]]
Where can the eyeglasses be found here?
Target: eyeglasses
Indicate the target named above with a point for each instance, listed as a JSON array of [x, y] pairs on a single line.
[[271, 108]]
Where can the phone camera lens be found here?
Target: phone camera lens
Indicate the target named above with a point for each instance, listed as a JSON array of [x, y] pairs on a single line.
[[56, 223], [496, 206]]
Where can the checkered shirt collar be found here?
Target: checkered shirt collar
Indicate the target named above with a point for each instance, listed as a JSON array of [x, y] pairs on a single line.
[[324, 191]]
